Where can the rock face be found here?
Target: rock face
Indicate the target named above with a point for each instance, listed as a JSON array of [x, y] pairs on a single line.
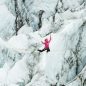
[[33, 12], [24, 24], [7, 21]]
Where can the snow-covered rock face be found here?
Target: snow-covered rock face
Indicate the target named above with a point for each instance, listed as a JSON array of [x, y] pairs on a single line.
[[7, 21], [7, 54], [20, 62], [72, 4], [33, 12], [79, 80], [65, 60]]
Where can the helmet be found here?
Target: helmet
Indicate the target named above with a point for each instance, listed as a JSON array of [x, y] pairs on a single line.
[[46, 39]]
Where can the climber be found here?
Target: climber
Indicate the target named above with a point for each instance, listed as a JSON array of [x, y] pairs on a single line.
[[46, 45]]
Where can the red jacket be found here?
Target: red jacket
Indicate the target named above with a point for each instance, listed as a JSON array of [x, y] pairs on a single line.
[[46, 43]]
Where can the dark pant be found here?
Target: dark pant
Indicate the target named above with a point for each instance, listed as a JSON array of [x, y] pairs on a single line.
[[48, 50]]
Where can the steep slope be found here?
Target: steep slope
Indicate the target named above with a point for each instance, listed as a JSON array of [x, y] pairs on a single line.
[[33, 12], [7, 22], [79, 80], [62, 64]]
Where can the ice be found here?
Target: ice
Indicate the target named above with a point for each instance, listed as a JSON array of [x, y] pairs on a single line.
[[7, 21], [25, 30], [19, 42]]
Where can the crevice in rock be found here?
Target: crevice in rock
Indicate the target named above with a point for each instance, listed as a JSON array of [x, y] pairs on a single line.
[[23, 1], [18, 20], [40, 18], [78, 48]]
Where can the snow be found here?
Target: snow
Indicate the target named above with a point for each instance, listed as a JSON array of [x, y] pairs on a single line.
[[44, 5], [3, 74], [25, 30], [19, 42], [72, 26], [18, 73], [42, 63], [46, 28], [7, 21], [2, 2], [72, 4]]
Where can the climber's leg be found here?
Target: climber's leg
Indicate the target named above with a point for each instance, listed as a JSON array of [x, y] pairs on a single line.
[[48, 50], [42, 50]]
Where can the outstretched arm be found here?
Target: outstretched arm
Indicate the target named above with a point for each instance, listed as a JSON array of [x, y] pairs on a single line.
[[42, 42], [50, 38]]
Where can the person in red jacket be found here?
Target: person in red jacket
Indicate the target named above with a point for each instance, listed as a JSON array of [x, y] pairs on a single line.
[[46, 45]]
